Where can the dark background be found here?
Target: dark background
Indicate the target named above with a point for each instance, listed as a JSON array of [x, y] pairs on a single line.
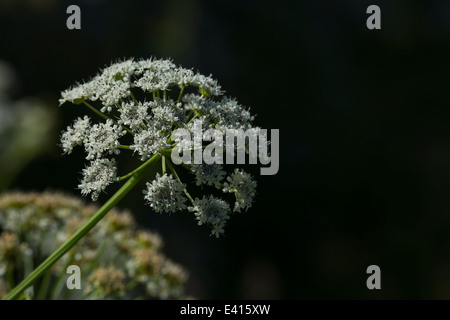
[[364, 128]]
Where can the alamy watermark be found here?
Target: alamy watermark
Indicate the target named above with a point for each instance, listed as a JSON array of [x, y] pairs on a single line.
[[225, 146], [374, 280], [74, 280], [74, 20]]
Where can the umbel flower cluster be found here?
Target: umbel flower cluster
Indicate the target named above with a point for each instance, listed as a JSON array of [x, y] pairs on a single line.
[[140, 105], [117, 261]]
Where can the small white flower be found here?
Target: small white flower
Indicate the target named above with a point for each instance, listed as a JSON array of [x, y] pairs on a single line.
[[103, 137], [142, 65], [185, 77], [243, 186], [98, 176], [207, 85], [77, 94], [76, 134], [121, 70], [193, 102], [213, 211], [165, 194], [230, 114], [209, 174]]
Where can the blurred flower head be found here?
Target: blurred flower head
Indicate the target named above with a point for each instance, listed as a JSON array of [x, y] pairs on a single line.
[[117, 261]]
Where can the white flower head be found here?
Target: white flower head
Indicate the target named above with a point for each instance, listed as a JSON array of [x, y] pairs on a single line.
[[103, 137], [97, 177], [114, 83], [243, 186], [213, 211], [208, 174], [134, 115], [185, 77], [156, 75], [165, 194], [231, 114], [193, 102], [75, 135], [207, 85], [151, 108], [149, 142], [164, 114]]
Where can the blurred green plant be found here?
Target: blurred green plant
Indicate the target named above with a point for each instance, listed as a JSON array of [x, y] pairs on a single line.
[[27, 128], [116, 261]]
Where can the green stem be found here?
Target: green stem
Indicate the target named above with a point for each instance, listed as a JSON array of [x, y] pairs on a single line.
[[195, 116], [163, 161], [64, 248], [138, 169], [169, 155], [176, 127], [122, 146], [104, 116], [131, 285], [181, 94], [132, 96], [178, 178]]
